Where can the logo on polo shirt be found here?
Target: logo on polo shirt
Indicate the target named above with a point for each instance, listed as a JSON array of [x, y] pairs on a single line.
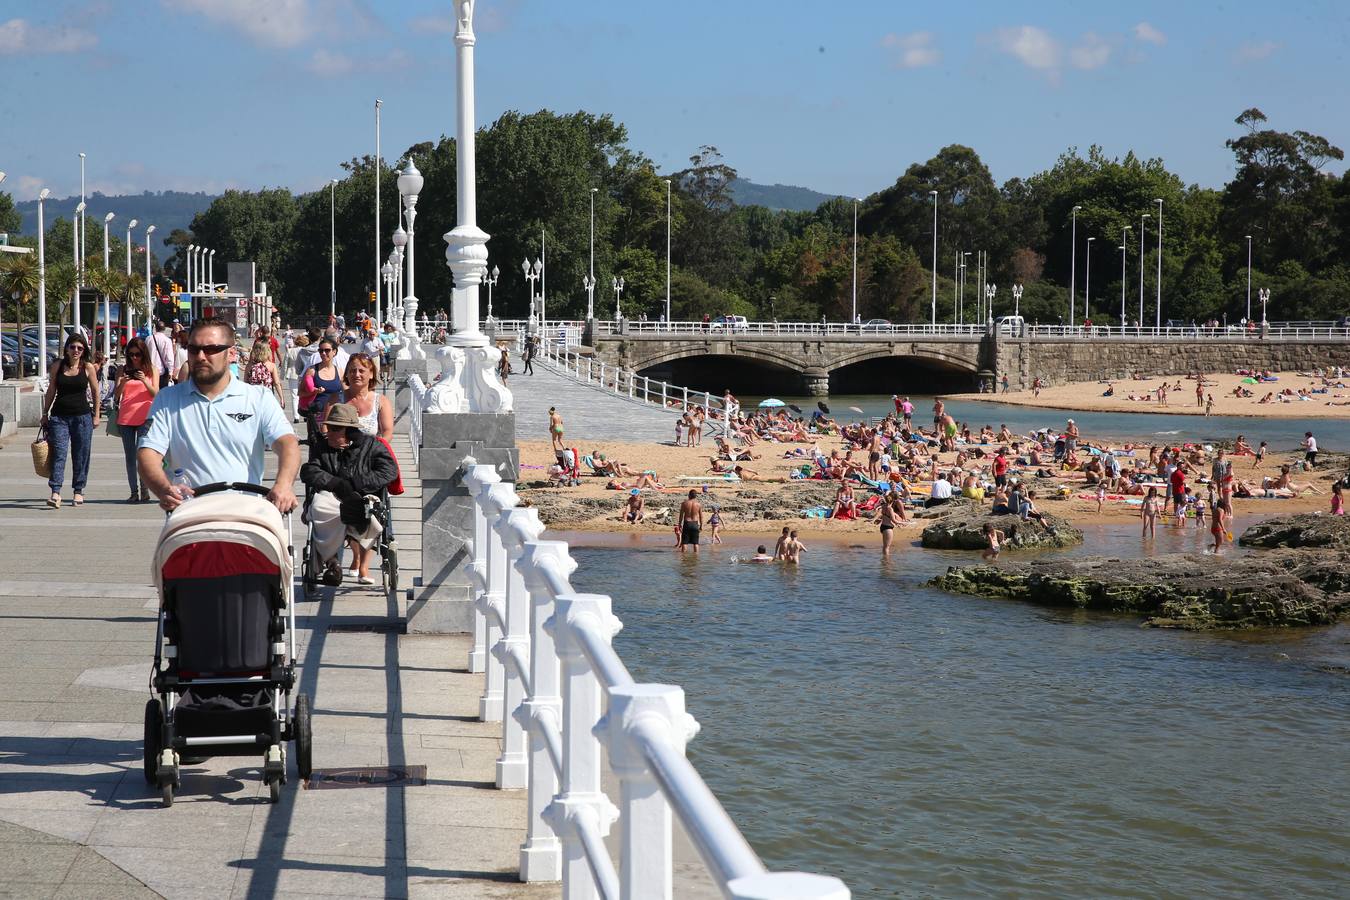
[[240, 417]]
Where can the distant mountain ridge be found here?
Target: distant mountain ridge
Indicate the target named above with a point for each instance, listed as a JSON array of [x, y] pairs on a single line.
[[777, 196], [166, 210]]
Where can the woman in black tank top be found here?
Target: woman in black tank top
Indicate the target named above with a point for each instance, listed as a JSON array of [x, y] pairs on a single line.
[[70, 417]]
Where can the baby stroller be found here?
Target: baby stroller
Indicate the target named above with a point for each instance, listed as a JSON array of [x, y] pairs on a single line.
[[225, 647], [311, 567]]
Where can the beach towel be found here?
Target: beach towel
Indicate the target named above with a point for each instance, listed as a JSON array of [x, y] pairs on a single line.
[[815, 512]]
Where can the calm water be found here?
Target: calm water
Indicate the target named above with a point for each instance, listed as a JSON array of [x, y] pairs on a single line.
[[920, 744], [1283, 434]]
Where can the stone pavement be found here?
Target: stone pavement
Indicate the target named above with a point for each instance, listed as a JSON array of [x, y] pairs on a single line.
[[78, 820]]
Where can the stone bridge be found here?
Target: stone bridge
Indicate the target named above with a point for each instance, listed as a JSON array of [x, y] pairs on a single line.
[[873, 363]]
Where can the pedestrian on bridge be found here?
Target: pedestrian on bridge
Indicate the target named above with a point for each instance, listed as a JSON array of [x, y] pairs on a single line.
[[69, 417]]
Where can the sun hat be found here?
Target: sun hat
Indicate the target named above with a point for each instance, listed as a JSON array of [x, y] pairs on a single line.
[[342, 414]]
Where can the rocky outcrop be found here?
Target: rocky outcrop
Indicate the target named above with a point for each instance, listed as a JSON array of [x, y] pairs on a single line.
[[1304, 530], [963, 529], [1281, 588]]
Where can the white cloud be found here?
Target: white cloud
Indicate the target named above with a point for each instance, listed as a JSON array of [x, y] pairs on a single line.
[[1256, 52], [1091, 53], [1032, 46], [1149, 34], [329, 64], [914, 51], [273, 23], [19, 36], [433, 24]]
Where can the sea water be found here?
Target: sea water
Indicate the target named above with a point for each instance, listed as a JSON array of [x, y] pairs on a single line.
[[916, 743]]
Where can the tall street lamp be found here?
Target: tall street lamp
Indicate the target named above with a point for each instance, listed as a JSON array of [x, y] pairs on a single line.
[[491, 282], [1087, 279], [934, 195], [1157, 310], [378, 104], [1073, 262], [332, 248], [149, 308], [42, 285], [211, 271], [961, 302], [107, 304], [855, 261], [387, 276], [618, 291], [588, 282], [1249, 278], [1264, 294], [130, 225], [1140, 321], [410, 185], [1017, 300], [188, 256], [990, 291], [531, 273], [1124, 233], [83, 242], [667, 250], [400, 239], [79, 263]]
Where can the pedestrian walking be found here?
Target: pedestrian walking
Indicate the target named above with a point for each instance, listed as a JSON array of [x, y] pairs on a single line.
[[262, 370], [134, 392], [70, 417], [529, 355]]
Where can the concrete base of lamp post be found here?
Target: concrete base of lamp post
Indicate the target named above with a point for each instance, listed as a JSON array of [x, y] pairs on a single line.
[[9, 408], [443, 603]]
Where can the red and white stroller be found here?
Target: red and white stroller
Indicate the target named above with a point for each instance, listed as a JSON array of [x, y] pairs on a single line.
[[225, 650]]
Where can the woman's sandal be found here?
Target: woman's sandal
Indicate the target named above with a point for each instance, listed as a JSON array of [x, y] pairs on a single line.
[[79, 500], [54, 501]]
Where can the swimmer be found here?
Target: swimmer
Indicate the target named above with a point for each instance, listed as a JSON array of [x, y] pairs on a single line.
[[761, 555], [994, 539]]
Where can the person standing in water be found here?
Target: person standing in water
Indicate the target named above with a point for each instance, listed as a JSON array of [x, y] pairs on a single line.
[[691, 521]]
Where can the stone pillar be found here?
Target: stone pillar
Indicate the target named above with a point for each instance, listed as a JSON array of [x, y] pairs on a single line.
[[816, 382]]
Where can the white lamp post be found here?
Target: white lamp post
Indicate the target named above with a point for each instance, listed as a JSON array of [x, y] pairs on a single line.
[[1140, 320], [1073, 262], [82, 243], [387, 276], [42, 285], [400, 240], [491, 282], [990, 290], [79, 262], [127, 311], [667, 251], [107, 303], [409, 186], [934, 195], [531, 273], [590, 287], [1157, 310], [1124, 232], [187, 256], [588, 283], [1087, 279], [855, 261], [1249, 278], [1264, 294], [211, 271], [1017, 300], [378, 104], [149, 307], [618, 292], [332, 248]]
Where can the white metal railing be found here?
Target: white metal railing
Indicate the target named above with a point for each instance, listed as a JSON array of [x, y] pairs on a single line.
[[566, 702], [627, 384], [416, 402]]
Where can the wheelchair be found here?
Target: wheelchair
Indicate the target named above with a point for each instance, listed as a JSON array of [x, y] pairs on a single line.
[[311, 568]]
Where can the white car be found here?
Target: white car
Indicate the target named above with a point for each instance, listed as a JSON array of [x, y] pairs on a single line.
[[731, 323], [1014, 325]]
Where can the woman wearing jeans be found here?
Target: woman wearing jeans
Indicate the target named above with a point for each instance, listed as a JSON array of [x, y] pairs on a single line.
[[70, 418], [135, 391]]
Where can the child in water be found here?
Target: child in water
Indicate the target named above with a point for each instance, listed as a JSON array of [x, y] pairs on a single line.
[[995, 539], [715, 523]]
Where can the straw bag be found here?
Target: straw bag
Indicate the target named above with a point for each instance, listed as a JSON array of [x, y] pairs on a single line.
[[42, 455]]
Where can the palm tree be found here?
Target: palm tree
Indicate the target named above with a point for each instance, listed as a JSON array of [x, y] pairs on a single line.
[[18, 283]]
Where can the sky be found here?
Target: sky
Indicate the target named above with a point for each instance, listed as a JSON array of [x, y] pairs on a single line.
[[840, 97]]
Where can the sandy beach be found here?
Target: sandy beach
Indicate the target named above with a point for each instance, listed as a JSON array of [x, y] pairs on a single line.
[[1140, 396]]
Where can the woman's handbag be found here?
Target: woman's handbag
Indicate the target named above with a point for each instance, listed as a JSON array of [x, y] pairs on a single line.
[[42, 454], [113, 429]]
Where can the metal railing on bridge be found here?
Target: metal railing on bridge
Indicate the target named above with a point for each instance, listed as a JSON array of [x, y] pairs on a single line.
[[567, 703]]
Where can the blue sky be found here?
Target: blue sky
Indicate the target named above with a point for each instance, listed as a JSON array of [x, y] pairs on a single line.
[[839, 97]]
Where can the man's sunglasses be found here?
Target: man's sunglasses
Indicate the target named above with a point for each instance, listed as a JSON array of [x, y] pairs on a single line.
[[207, 349]]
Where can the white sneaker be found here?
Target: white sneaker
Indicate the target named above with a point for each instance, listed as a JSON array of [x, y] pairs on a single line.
[[365, 579]]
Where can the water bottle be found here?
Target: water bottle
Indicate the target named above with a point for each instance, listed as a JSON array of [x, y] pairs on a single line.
[[180, 479]]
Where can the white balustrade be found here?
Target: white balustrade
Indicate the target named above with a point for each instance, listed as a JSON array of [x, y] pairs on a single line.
[[567, 701]]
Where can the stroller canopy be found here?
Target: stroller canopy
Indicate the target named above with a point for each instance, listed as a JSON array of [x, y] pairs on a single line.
[[231, 533]]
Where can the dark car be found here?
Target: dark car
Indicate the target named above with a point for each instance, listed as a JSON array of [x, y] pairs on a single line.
[[10, 357]]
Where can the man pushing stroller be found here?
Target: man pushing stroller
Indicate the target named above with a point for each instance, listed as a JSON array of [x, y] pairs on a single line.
[[346, 467]]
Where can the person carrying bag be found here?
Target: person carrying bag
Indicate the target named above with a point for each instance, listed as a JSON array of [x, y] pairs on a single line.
[[135, 391]]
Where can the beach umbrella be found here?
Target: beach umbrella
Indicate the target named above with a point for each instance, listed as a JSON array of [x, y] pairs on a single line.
[[771, 402], [820, 405]]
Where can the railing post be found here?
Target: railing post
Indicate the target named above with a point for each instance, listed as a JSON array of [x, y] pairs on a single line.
[[581, 796], [646, 861], [493, 499], [479, 478], [515, 526], [541, 854]]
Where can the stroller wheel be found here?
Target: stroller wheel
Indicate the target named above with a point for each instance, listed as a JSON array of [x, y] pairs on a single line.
[[166, 794], [274, 787], [390, 568], [304, 738], [154, 733]]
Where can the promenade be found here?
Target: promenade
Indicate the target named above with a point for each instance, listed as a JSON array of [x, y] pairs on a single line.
[[78, 820]]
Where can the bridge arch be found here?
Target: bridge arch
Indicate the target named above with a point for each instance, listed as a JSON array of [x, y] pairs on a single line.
[[742, 373], [770, 355], [926, 371]]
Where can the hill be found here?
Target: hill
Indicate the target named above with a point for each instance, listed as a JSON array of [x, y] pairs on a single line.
[[166, 210], [776, 196]]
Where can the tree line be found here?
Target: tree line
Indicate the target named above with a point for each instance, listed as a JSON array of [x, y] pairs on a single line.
[[536, 171]]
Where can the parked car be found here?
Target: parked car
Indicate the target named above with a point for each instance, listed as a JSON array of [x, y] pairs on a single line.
[[731, 323], [10, 357], [875, 325]]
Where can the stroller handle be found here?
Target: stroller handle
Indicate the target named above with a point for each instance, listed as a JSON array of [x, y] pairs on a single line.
[[241, 486]]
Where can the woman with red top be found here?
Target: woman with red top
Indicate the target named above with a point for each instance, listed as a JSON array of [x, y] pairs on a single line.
[[135, 390]]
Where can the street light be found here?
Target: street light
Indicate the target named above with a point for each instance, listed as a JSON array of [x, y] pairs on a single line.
[[378, 104], [1249, 278], [211, 271], [83, 242], [531, 274], [618, 291], [491, 282], [1073, 262], [42, 284], [400, 239], [934, 195], [588, 282], [1123, 243], [130, 225], [855, 260], [79, 264], [387, 276], [1157, 311], [410, 185], [667, 251], [1017, 300], [1140, 321], [149, 309], [189, 255], [961, 302], [107, 304], [1264, 294], [1087, 278], [990, 290], [332, 248]]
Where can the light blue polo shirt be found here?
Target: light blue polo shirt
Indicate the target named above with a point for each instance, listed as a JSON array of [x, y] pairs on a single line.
[[215, 440]]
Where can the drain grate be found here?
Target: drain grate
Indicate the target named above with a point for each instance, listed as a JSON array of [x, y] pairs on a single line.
[[368, 776], [367, 628]]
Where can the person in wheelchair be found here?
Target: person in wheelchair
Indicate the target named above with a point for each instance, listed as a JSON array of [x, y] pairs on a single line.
[[346, 467]]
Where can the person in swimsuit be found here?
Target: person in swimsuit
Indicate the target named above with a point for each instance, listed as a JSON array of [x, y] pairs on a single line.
[[761, 555], [793, 548], [715, 523], [691, 521], [887, 517], [1149, 513], [634, 513], [995, 539], [555, 427], [782, 542]]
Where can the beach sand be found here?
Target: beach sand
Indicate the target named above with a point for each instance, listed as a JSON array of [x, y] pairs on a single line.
[[1087, 396]]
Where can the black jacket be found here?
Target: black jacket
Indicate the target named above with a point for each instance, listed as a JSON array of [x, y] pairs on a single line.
[[364, 466]]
